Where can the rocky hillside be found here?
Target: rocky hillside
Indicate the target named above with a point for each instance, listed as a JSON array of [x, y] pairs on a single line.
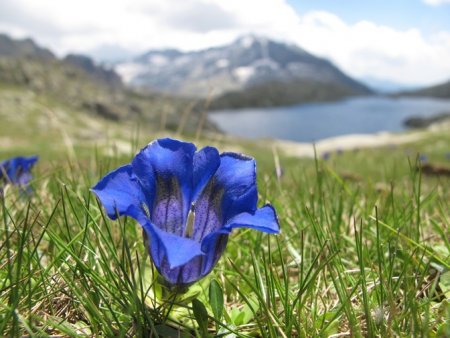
[[82, 86], [22, 48], [108, 76], [250, 64]]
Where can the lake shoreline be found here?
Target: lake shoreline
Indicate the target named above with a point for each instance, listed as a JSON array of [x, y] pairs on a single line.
[[315, 122], [356, 141], [345, 143]]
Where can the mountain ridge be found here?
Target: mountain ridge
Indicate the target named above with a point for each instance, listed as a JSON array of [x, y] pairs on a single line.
[[81, 86], [246, 63], [441, 90]]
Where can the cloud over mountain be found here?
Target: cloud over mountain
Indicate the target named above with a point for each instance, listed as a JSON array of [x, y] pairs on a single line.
[[124, 27]]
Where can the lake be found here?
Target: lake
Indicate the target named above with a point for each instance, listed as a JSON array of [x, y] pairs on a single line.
[[315, 121]]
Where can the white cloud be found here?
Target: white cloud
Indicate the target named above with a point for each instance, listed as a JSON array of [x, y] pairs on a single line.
[[360, 49], [436, 2], [140, 24], [367, 49]]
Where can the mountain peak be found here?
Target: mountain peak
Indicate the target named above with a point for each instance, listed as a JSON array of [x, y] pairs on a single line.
[[247, 40], [250, 60]]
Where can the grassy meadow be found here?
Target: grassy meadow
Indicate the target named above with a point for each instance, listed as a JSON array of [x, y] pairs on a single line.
[[364, 248]]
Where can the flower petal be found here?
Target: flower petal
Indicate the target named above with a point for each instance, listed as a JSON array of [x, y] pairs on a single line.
[[207, 212], [166, 246], [17, 169], [200, 266], [31, 160], [232, 190], [206, 162], [264, 219], [236, 175], [24, 178], [197, 267], [207, 209], [165, 170], [183, 275], [213, 246], [120, 193]]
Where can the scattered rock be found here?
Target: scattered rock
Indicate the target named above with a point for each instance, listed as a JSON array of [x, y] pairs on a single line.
[[423, 122], [103, 110], [434, 170]]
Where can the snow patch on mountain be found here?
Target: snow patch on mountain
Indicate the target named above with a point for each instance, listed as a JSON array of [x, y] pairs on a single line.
[[129, 71], [222, 63], [158, 60], [244, 73], [250, 60]]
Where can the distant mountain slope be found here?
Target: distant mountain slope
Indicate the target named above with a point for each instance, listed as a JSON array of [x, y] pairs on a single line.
[[19, 52], [277, 93], [88, 65], [439, 91], [81, 86], [249, 62], [384, 86]]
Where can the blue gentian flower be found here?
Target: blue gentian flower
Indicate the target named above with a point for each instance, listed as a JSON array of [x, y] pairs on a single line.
[[326, 155], [423, 158], [17, 170], [188, 202]]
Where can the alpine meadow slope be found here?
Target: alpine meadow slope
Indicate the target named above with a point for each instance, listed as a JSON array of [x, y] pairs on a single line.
[[40, 90]]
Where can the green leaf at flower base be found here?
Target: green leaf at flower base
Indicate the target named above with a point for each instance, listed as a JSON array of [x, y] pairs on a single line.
[[201, 316], [216, 299], [241, 316], [167, 331]]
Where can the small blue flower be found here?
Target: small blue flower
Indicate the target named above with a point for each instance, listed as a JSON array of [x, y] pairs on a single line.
[[17, 170], [188, 202], [423, 158], [326, 155]]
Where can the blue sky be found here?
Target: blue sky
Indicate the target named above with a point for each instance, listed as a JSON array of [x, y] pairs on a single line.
[[403, 41], [399, 14]]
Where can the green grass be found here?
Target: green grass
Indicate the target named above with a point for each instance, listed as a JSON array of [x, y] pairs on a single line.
[[364, 251]]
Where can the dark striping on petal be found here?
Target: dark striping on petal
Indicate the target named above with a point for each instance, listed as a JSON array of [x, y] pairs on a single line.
[[171, 275], [208, 211], [183, 275], [213, 257], [167, 211], [191, 271], [196, 268]]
